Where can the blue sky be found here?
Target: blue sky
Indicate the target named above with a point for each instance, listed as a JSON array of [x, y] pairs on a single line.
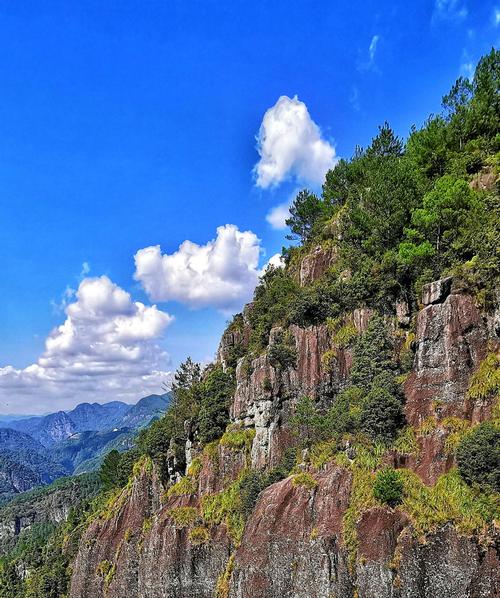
[[126, 125]]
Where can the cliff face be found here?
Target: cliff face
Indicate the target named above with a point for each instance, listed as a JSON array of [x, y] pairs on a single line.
[[305, 539]]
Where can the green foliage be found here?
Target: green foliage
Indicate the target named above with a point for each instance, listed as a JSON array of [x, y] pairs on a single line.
[[312, 305], [449, 500], [406, 442], [485, 382], [199, 398], [305, 212], [183, 516], [110, 473], [185, 485], [305, 480], [11, 585], [388, 487], [436, 237], [478, 456], [223, 582], [307, 424], [167, 435], [381, 415], [373, 354], [344, 415], [271, 305], [216, 391], [226, 507], [238, 439], [199, 535], [282, 469], [282, 352]]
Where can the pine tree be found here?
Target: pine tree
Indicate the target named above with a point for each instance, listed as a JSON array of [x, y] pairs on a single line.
[[372, 354]]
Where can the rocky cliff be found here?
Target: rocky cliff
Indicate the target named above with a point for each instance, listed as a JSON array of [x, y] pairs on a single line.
[[319, 532]]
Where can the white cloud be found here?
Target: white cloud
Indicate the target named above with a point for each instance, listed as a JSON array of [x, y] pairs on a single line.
[[449, 10], [278, 215], [106, 349], [373, 48], [496, 16], [354, 99], [467, 66], [367, 64], [221, 274], [467, 69], [276, 261], [68, 294], [290, 145]]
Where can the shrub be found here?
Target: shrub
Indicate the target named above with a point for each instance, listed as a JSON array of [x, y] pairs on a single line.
[[195, 468], [283, 468], [238, 438], [185, 485], [183, 516], [216, 392], [343, 416], [372, 354], [250, 485], [305, 480], [486, 380], [199, 535], [478, 456], [282, 352], [381, 415], [406, 443], [307, 423], [388, 487]]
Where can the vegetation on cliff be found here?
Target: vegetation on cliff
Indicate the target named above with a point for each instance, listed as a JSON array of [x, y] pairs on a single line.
[[396, 216]]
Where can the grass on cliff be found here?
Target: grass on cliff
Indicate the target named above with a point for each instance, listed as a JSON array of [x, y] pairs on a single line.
[[450, 500]]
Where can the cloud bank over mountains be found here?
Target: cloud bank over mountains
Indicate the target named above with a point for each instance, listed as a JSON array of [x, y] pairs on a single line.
[[105, 349]]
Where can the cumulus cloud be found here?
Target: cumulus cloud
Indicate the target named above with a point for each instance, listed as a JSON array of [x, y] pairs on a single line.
[[449, 10], [105, 349], [276, 261], [290, 145], [278, 215], [221, 274]]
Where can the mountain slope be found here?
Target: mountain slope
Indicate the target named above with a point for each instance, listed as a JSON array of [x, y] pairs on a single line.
[[24, 463], [96, 416], [84, 451], [144, 411], [47, 429]]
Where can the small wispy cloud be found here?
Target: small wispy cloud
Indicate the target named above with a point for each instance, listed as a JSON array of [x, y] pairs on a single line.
[[368, 63], [354, 99], [467, 70], [449, 10], [467, 66], [496, 16], [373, 48]]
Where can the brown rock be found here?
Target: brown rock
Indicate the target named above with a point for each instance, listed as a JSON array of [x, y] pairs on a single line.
[[451, 341], [315, 264]]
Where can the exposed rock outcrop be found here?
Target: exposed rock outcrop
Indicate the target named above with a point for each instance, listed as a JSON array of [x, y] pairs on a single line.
[[451, 342], [296, 542], [316, 263]]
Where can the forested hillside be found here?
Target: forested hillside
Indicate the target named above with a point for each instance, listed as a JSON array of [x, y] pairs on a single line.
[[346, 441]]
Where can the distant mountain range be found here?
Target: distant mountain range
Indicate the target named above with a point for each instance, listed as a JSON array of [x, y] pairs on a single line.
[[37, 450]]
